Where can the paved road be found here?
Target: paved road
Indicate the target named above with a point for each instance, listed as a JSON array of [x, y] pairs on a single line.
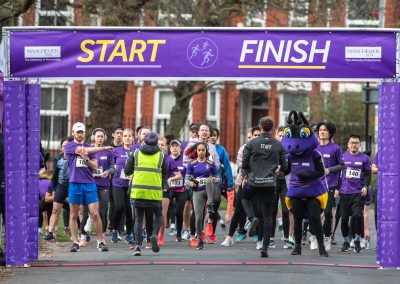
[[176, 262]]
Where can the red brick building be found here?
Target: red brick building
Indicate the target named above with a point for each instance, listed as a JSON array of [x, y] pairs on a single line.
[[232, 106]]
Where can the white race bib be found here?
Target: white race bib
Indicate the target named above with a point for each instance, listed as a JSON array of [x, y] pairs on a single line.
[[201, 181], [98, 172], [177, 183], [123, 176], [80, 163], [353, 173]]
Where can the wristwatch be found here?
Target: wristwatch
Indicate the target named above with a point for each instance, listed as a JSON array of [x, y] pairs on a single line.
[[87, 159]]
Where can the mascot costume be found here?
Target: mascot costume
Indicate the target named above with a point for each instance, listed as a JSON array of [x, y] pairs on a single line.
[[306, 194]]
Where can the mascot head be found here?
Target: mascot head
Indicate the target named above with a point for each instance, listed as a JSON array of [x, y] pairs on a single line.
[[299, 138]]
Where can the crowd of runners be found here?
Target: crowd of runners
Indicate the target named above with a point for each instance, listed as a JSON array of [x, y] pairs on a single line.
[[144, 186]]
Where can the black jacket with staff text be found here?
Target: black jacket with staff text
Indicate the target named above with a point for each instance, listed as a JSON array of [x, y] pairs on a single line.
[[261, 158]]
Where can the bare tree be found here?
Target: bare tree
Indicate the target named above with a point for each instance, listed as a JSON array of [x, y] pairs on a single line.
[[10, 10]]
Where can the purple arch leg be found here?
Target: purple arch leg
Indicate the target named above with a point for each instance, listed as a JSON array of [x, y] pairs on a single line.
[[389, 176], [32, 92], [15, 173]]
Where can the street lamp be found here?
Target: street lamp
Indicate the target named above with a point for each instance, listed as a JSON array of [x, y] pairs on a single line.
[[369, 96]]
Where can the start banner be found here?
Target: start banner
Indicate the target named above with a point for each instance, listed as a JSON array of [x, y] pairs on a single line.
[[202, 54]]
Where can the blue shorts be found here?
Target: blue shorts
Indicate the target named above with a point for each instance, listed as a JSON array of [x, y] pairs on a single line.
[[82, 193]]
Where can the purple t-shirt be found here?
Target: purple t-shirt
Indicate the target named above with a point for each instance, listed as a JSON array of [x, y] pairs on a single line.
[[44, 186], [332, 156], [200, 171], [120, 158], [79, 172], [182, 170], [353, 172], [105, 159]]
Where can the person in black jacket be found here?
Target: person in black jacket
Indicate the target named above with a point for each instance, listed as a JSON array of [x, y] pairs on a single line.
[[263, 158]]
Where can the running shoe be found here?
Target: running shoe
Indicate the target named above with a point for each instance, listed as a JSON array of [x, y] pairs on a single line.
[[227, 242], [352, 245], [210, 209], [255, 238], [253, 226], [314, 243], [87, 236], [148, 244], [67, 231], [40, 231], [161, 241], [241, 237], [366, 244], [223, 226], [154, 244], [247, 225], [291, 240], [259, 245], [137, 251], [200, 245], [178, 238], [193, 242], [114, 236], [75, 247], [323, 252], [362, 243], [129, 238], [88, 226], [172, 230], [345, 247], [102, 247], [82, 242], [357, 246], [271, 244], [49, 237], [333, 241], [212, 239], [280, 228], [209, 229], [296, 250], [327, 243], [264, 253], [287, 244], [186, 235]]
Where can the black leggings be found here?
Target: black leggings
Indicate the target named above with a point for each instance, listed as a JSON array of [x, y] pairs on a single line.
[[44, 207], [180, 200], [239, 216], [313, 207], [327, 227], [103, 205], [122, 205], [281, 190]]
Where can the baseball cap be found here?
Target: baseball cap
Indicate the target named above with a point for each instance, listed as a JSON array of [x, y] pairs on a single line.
[[79, 126], [176, 142]]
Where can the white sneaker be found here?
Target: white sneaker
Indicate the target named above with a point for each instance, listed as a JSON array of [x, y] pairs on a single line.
[[186, 235], [327, 243], [314, 243], [40, 231], [88, 226], [227, 242], [362, 242], [352, 243], [259, 245], [247, 225]]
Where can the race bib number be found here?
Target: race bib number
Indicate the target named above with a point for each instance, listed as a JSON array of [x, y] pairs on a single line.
[[98, 172], [123, 176], [353, 173], [177, 183], [80, 163], [201, 181]]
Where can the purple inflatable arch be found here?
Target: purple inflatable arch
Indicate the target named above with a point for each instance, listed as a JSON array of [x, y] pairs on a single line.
[[22, 140]]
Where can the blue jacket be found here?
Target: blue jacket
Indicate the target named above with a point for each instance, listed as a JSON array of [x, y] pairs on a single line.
[[224, 159]]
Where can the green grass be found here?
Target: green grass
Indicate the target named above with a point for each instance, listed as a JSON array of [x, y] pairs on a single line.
[[60, 235]]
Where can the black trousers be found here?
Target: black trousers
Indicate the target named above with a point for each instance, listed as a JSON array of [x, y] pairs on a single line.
[[327, 227], [351, 205], [266, 198], [281, 190]]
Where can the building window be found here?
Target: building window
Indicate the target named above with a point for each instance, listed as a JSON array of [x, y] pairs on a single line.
[[164, 101], [292, 101], [257, 15], [54, 13], [89, 93], [54, 115], [213, 107], [175, 13], [298, 14], [362, 13]]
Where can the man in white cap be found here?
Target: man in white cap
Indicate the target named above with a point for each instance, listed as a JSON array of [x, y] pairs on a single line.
[[82, 188]]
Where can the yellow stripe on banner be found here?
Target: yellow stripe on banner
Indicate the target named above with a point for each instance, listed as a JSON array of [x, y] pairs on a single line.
[[279, 67]]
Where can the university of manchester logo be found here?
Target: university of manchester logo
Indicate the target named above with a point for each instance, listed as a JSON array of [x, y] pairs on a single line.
[[202, 53], [35, 52]]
